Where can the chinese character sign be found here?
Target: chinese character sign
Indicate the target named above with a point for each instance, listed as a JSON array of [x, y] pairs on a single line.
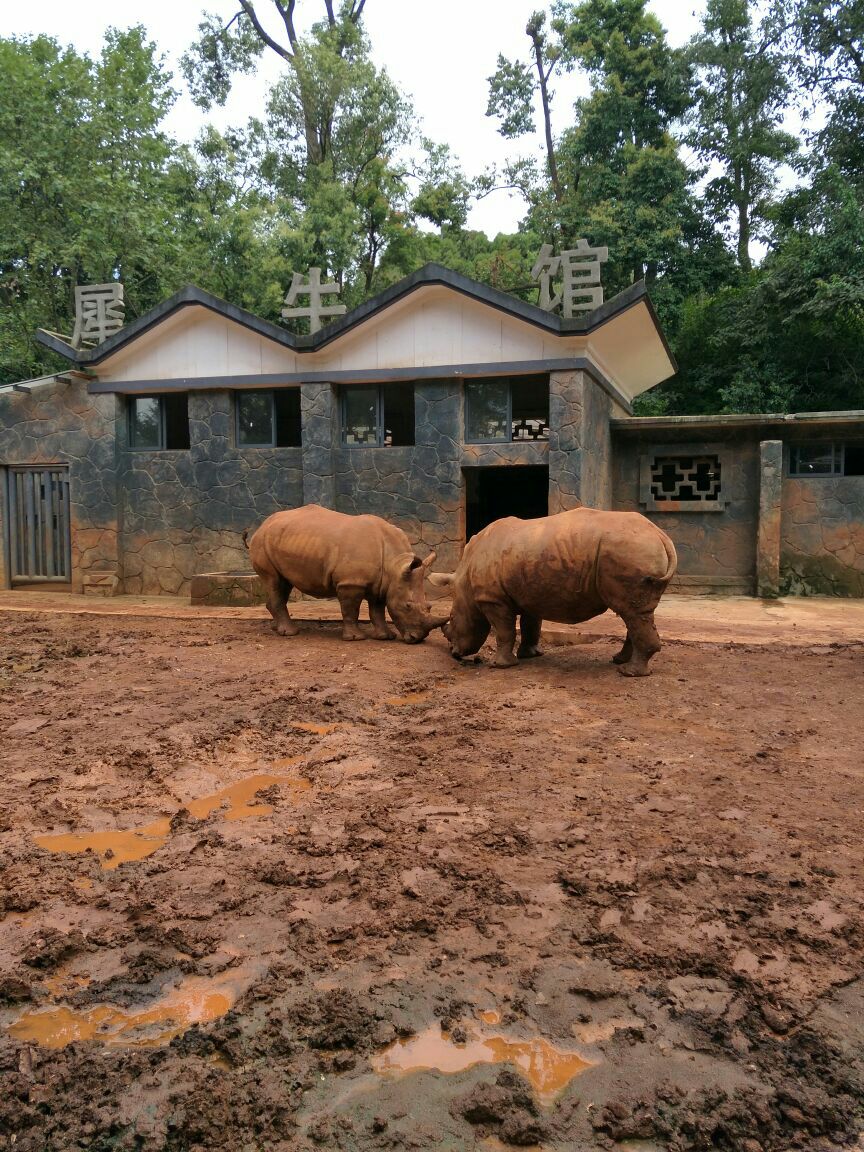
[[98, 313], [314, 289], [579, 272]]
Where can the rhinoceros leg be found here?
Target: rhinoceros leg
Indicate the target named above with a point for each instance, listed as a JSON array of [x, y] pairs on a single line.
[[626, 653], [529, 629], [381, 630], [278, 591], [645, 643], [503, 623], [350, 599]]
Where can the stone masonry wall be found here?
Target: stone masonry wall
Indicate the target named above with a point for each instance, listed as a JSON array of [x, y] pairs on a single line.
[[709, 544], [421, 488], [822, 536], [580, 445], [62, 424], [183, 511]]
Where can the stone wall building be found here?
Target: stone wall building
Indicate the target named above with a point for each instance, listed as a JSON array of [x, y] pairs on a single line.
[[441, 405]]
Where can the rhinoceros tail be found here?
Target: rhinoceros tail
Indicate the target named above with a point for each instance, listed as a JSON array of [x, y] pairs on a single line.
[[671, 564], [673, 559]]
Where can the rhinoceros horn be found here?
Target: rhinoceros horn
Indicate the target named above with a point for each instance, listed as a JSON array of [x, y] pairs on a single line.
[[442, 579]]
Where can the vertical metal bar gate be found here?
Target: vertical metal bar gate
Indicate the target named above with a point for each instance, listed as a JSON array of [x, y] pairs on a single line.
[[40, 537]]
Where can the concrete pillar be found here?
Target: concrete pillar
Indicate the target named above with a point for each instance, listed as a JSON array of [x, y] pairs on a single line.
[[768, 532], [580, 446], [319, 416]]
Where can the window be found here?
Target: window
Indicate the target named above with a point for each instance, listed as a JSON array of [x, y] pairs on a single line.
[[159, 422], [269, 419], [827, 459], [380, 416], [503, 409], [685, 478]]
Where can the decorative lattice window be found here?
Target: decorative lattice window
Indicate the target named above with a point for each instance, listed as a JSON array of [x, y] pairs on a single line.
[[690, 482]]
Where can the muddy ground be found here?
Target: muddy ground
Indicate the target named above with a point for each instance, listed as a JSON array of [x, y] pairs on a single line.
[[637, 905]]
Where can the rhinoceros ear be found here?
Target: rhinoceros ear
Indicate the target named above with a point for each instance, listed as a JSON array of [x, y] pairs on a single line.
[[441, 579], [406, 564]]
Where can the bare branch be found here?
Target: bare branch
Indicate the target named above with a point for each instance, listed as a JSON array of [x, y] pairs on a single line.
[[356, 11], [249, 9], [331, 19], [287, 15]]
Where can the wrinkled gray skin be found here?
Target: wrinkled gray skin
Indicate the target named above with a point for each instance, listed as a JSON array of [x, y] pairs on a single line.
[[567, 568], [355, 558]]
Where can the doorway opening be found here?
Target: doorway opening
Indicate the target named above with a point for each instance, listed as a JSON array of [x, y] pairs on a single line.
[[513, 490]]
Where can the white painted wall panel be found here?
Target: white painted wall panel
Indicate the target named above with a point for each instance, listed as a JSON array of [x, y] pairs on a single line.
[[196, 343], [432, 326]]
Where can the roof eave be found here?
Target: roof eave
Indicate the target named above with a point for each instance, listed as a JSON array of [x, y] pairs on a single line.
[[427, 276]]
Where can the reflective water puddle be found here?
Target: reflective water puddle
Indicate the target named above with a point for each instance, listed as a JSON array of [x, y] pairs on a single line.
[[116, 847], [548, 1069], [196, 1000]]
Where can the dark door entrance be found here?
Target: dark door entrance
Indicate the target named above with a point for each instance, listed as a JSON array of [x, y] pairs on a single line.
[[491, 493], [39, 528]]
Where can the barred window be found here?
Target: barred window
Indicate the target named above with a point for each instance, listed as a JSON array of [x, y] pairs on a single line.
[[380, 416], [507, 408], [685, 478]]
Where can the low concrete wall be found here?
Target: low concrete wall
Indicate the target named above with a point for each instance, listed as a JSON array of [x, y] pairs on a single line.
[[717, 547], [822, 536]]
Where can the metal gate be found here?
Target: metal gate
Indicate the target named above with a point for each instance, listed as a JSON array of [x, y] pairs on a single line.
[[39, 530]]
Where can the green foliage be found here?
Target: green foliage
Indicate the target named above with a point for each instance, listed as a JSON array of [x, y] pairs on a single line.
[[85, 184], [511, 95], [740, 93], [335, 173]]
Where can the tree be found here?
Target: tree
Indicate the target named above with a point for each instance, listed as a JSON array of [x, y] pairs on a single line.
[[826, 40], [740, 95], [337, 128], [633, 187], [86, 191], [225, 47], [512, 90]]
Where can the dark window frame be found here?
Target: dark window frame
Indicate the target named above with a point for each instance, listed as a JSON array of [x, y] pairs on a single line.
[[380, 425], [163, 422], [838, 454], [240, 445], [509, 380]]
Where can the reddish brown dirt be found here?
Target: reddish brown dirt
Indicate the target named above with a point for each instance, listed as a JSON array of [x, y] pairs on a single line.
[[662, 877]]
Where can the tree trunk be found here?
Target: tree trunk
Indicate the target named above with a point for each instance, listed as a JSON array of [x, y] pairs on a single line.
[[547, 115], [743, 206]]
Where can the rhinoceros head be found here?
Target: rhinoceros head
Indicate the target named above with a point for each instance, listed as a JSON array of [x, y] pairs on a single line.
[[467, 628], [406, 598]]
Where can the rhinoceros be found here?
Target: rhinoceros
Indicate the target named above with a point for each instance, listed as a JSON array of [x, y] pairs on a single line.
[[567, 568], [355, 558]]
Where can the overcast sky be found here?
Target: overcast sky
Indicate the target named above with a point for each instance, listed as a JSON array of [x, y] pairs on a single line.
[[439, 54]]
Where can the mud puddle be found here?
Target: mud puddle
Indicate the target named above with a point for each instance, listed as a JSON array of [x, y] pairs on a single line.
[[234, 802], [196, 1000], [548, 1069], [408, 699]]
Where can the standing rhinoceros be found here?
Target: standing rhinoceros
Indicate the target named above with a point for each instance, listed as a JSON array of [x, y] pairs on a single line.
[[355, 558], [566, 568]]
